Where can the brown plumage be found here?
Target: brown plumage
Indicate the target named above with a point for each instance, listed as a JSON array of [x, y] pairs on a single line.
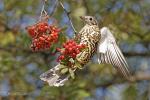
[[89, 35]]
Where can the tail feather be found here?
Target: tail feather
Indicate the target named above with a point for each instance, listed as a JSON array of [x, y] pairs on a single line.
[[53, 77]]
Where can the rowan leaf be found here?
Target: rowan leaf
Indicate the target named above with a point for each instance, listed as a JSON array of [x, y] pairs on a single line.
[[64, 70], [78, 65], [71, 73]]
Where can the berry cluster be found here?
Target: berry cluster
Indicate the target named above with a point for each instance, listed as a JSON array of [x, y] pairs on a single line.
[[43, 35], [70, 50]]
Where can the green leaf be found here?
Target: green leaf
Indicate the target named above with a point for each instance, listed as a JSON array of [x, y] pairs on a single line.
[[78, 65], [71, 60], [71, 73], [130, 93], [63, 29], [82, 94], [64, 70], [62, 66]]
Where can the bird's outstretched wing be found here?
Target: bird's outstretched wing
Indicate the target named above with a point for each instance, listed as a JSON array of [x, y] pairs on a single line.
[[109, 52]]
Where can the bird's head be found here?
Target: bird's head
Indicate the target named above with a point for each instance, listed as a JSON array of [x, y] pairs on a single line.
[[90, 20]]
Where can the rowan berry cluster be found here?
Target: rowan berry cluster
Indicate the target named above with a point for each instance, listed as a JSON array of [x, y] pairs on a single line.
[[70, 50], [43, 35]]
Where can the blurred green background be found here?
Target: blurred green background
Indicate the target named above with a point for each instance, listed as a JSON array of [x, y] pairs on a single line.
[[20, 68]]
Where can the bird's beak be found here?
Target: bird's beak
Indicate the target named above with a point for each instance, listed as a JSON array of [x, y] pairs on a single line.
[[82, 17]]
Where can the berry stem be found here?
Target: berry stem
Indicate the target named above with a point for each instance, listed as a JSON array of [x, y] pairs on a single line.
[[68, 14], [43, 11]]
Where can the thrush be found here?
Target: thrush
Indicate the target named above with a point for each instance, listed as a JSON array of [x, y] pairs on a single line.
[[100, 41]]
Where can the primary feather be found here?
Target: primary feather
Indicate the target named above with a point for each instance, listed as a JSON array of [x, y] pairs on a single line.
[[109, 52]]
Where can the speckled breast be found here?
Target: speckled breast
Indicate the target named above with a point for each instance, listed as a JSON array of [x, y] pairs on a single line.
[[90, 36]]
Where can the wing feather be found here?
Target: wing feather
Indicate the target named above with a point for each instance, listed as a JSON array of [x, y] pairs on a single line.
[[110, 53], [122, 61]]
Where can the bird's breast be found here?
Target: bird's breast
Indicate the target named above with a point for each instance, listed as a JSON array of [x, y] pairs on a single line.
[[89, 37]]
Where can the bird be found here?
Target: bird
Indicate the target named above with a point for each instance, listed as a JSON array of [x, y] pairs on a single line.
[[98, 41]]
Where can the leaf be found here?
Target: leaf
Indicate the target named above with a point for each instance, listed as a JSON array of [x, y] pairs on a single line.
[[78, 65], [64, 70], [63, 29], [82, 94], [71, 60], [71, 73], [7, 38], [62, 66], [130, 93]]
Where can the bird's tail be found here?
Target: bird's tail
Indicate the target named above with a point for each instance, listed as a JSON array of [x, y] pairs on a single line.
[[54, 77]]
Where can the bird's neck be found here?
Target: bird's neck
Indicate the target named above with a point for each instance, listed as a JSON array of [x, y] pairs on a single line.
[[87, 25], [94, 27]]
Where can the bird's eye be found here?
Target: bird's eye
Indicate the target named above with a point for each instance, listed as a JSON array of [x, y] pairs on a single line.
[[90, 18]]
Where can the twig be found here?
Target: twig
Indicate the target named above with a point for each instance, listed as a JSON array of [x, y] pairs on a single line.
[[68, 14], [54, 8], [43, 10]]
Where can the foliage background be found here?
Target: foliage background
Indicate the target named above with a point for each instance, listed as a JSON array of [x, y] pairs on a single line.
[[20, 68]]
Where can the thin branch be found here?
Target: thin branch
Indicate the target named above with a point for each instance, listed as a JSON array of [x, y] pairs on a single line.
[[54, 8], [43, 11], [68, 14]]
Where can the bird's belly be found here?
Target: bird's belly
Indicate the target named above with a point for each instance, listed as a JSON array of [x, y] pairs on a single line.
[[87, 53], [90, 40]]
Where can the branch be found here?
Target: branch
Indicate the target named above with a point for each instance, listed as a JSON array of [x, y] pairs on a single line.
[[43, 11], [54, 8], [68, 14]]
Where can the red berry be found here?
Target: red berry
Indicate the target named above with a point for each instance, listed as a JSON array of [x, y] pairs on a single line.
[[41, 38], [70, 49], [74, 55], [58, 49], [49, 38], [82, 45], [70, 44], [45, 24], [66, 46], [45, 35], [31, 31], [62, 57], [42, 27]]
